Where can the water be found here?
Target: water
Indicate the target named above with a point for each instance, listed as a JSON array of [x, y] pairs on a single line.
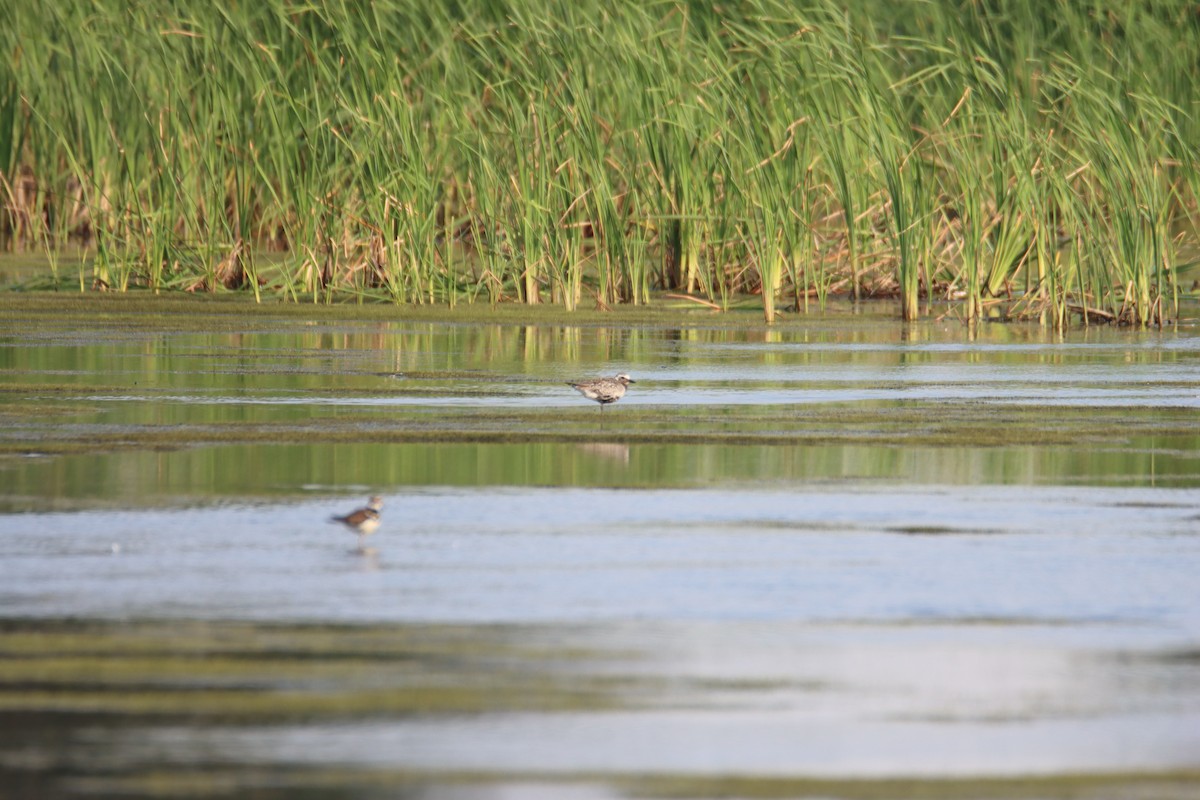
[[842, 558]]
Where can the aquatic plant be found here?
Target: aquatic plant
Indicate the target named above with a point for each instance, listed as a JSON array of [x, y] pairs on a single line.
[[1017, 158]]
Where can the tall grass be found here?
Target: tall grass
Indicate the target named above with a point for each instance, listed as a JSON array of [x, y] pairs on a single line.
[[992, 157]]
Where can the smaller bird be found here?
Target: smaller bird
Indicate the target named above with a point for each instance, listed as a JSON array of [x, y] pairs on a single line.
[[363, 521], [604, 390]]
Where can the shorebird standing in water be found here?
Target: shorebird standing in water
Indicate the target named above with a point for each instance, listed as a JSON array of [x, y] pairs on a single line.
[[363, 521], [604, 390]]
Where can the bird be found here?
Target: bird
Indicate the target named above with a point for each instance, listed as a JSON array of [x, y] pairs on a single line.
[[363, 521], [603, 390]]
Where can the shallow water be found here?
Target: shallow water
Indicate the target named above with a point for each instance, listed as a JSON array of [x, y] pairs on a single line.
[[813, 561]]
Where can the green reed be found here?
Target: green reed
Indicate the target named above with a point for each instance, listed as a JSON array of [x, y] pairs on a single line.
[[1013, 157]]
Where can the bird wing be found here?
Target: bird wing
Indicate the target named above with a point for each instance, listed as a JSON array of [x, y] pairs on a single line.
[[607, 394]]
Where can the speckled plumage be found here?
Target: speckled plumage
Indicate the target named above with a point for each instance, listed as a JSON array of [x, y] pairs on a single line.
[[604, 390]]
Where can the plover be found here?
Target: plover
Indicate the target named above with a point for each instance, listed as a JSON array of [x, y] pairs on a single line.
[[363, 521], [604, 390]]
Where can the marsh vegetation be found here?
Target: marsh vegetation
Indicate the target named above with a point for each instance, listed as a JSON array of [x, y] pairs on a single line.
[[1016, 158]]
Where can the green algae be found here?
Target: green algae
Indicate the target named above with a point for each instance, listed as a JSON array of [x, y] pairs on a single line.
[[109, 415], [76, 462], [58, 676], [936, 424], [245, 673], [140, 311]]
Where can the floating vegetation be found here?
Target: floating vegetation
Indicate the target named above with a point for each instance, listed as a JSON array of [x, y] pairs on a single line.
[[1017, 159], [130, 682], [247, 672]]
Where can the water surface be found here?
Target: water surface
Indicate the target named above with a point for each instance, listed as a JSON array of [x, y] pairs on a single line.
[[840, 558]]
